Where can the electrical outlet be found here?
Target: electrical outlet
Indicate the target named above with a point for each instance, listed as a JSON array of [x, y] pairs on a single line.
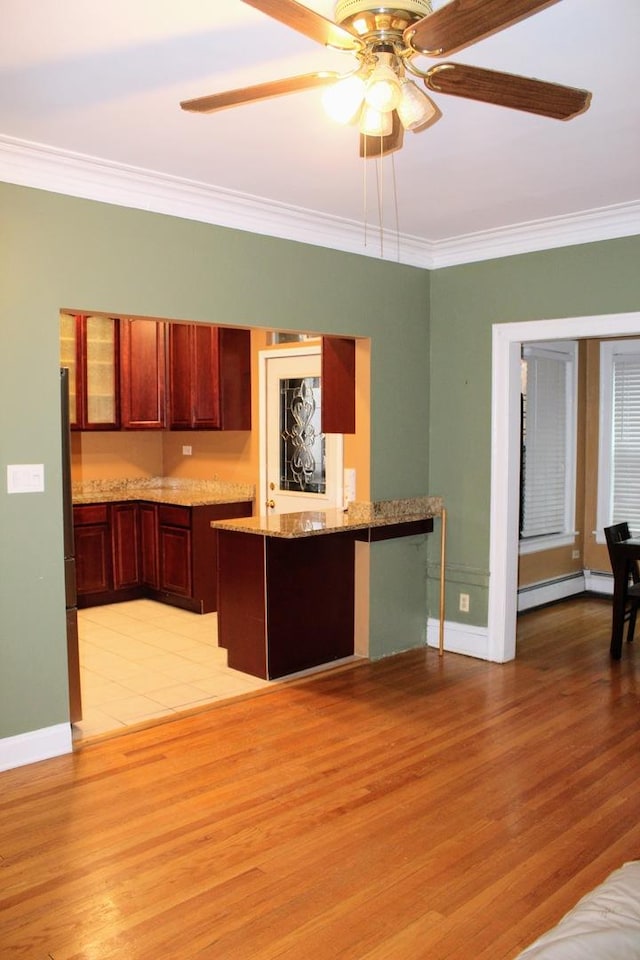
[[187, 450], [464, 602]]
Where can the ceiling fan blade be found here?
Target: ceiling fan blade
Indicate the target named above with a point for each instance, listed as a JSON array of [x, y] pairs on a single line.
[[379, 146], [461, 22], [261, 91], [508, 90], [306, 21]]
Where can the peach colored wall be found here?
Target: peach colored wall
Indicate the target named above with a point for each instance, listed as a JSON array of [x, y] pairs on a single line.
[[358, 446], [115, 454]]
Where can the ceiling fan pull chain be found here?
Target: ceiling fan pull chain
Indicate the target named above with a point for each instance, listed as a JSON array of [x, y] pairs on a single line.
[[380, 197], [395, 204], [364, 193]]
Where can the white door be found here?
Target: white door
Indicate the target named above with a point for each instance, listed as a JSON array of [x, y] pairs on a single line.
[[300, 467]]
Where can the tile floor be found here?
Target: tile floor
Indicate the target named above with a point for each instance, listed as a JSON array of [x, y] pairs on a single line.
[[142, 660]]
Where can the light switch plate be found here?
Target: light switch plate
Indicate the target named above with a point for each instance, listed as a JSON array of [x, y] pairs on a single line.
[[25, 478]]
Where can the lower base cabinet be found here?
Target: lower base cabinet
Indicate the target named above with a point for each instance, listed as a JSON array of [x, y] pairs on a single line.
[[94, 568], [162, 551], [285, 604], [175, 551], [125, 545]]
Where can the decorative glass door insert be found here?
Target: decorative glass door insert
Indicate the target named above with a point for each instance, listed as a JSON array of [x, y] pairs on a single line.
[[302, 443]]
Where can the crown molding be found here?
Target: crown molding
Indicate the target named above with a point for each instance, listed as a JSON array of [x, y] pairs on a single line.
[[589, 226], [43, 167]]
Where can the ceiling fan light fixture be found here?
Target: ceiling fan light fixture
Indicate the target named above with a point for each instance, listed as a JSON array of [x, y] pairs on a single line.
[[342, 100], [374, 123], [415, 108], [383, 89]]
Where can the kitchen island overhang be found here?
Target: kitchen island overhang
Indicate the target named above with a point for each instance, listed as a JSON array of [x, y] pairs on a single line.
[[287, 582]]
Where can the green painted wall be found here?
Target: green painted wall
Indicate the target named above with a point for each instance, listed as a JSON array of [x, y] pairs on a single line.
[[57, 251], [431, 387], [592, 279]]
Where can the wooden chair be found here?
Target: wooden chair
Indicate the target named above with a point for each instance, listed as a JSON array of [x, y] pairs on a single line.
[[626, 587]]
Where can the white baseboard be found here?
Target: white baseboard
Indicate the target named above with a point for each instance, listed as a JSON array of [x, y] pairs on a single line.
[[459, 638], [35, 745], [596, 582], [537, 594], [474, 641]]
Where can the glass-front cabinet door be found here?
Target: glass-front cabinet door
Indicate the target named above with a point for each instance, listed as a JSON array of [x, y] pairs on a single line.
[[69, 359], [89, 348], [101, 371]]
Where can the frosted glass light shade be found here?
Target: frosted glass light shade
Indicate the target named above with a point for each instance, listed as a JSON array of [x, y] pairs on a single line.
[[383, 89], [343, 99], [415, 107], [375, 124]]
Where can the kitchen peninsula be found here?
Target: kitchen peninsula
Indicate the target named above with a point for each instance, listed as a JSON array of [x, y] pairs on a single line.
[[152, 538], [287, 581]]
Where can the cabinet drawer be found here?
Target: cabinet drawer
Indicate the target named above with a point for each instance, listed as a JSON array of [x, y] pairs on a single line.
[[93, 513], [174, 516]]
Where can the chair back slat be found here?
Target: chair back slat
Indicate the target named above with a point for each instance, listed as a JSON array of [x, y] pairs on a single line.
[[615, 534]]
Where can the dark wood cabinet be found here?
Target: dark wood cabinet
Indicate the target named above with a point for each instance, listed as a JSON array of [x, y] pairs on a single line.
[[148, 513], [89, 350], [338, 385], [188, 553], [234, 372], [124, 375], [174, 550], [285, 604], [209, 377], [94, 576], [142, 374], [133, 549], [125, 544]]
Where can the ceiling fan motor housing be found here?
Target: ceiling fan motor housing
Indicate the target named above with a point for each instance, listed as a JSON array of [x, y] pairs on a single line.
[[371, 20]]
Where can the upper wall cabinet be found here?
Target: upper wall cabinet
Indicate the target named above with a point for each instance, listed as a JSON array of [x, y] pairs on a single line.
[[209, 377], [338, 385], [89, 349], [142, 374]]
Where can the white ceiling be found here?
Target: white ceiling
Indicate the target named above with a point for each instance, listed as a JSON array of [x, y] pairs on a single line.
[[91, 79]]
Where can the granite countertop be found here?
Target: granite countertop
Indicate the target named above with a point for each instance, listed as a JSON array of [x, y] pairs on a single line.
[[187, 493], [358, 516]]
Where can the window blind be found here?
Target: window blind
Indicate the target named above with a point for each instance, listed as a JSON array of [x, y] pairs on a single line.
[[544, 455], [625, 454]]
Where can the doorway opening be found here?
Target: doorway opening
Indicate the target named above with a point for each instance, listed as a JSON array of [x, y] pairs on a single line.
[[301, 468], [138, 645], [507, 343]]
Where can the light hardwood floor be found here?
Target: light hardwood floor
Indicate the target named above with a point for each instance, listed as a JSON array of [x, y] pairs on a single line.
[[411, 808]]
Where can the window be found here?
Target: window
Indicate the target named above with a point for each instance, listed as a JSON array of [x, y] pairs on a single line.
[[548, 467], [619, 453]]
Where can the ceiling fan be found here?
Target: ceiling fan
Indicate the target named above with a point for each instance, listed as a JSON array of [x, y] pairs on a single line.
[[386, 40]]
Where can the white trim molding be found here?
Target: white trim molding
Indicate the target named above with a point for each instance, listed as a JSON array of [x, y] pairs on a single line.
[[505, 455], [44, 167], [34, 746], [537, 594], [596, 581], [461, 638]]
